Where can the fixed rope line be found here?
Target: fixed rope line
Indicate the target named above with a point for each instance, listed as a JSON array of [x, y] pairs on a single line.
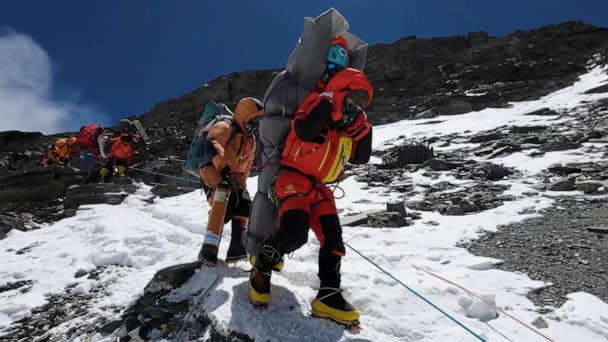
[[166, 175], [490, 304], [157, 173], [356, 251], [418, 295]]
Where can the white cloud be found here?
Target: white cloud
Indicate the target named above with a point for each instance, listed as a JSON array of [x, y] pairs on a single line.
[[26, 98]]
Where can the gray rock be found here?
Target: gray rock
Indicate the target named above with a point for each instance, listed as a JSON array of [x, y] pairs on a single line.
[[589, 187], [171, 277], [420, 205], [600, 89], [564, 170], [527, 129], [454, 210], [504, 150], [387, 220], [467, 206], [398, 207], [497, 172], [562, 185], [481, 138], [80, 273], [560, 146], [543, 112], [440, 165], [540, 323]]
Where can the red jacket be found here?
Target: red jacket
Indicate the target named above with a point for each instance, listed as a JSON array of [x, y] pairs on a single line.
[[123, 146], [88, 138], [316, 144]]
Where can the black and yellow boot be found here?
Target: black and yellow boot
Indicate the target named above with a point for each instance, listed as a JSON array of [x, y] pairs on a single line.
[[259, 287], [236, 250], [259, 278], [122, 170], [277, 268], [329, 302]]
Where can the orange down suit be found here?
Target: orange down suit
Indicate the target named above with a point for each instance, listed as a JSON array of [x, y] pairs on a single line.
[[235, 149]]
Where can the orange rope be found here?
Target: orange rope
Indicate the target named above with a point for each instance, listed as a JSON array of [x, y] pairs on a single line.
[[483, 300]]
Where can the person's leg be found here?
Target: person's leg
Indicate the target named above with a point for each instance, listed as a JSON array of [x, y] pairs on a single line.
[[106, 171], [329, 302], [294, 221], [240, 217], [121, 166], [86, 159]]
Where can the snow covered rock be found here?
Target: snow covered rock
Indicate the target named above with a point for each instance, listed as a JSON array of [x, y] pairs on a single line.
[[477, 309]]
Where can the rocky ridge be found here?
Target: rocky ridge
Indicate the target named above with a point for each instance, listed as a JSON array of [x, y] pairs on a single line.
[[415, 78]]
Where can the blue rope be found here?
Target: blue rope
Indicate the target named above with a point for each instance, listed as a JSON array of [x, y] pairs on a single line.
[[356, 251], [166, 175], [419, 295]]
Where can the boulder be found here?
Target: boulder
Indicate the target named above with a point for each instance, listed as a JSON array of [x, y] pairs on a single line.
[[454, 210], [589, 187], [562, 185], [440, 165], [560, 146], [398, 207]]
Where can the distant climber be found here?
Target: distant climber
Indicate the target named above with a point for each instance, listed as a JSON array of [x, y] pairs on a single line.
[[121, 150], [224, 160], [88, 145], [329, 129], [61, 152]]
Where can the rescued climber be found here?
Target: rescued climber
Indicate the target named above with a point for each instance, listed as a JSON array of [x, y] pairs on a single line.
[[328, 130], [88, 145], [232, 145], [121, 147], [61, 152]]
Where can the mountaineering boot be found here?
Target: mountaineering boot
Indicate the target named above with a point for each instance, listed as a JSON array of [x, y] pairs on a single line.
[[236, 250], [104, 173], [277, 268], [329, 302], [208, 255], [259, 287], [122, 170], [259, 278]]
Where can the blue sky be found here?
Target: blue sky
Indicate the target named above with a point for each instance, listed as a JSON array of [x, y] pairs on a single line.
[[110, 59]]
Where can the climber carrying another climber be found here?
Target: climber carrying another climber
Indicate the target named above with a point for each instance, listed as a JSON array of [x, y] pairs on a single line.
[[121, 150], [223, 162], [61, 152], [328, 130]]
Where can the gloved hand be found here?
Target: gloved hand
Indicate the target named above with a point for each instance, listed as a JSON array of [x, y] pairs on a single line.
[[226, 177], [359, 128], [341, 84]]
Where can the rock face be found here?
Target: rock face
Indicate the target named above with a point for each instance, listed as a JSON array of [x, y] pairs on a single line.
[[567, 256], [28, 198], [412, 78], [156, 316]]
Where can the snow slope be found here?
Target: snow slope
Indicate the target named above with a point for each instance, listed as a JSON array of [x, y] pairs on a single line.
[[149, 236]]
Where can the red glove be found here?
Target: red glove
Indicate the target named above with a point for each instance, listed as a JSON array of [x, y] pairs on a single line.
[[359, 128]]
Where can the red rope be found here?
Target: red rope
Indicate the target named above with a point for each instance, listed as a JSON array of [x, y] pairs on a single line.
[[483, 300]]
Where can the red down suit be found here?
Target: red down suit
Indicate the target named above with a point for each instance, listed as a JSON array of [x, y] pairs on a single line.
[[316, 150]]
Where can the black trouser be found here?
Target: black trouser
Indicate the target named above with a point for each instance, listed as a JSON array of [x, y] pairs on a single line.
[[294, 233]]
